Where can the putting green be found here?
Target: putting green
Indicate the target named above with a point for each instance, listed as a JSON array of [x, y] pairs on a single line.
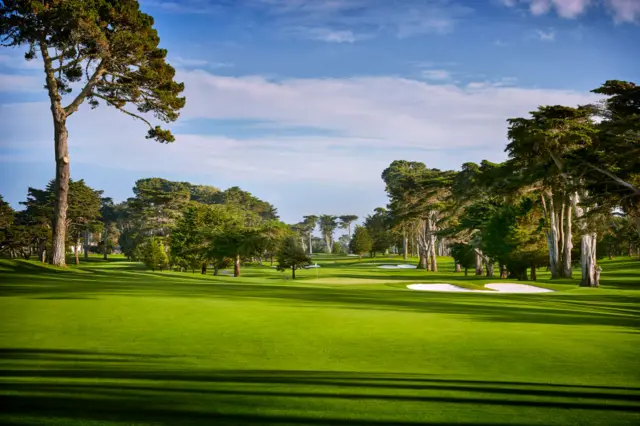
[[113, 344]]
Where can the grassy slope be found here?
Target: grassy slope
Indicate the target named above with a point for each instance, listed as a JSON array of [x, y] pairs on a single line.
[[110, 343]]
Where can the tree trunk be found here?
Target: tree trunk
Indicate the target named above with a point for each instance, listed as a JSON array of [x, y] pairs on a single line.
[[561, 236], [442, 247], [478, 263], [328, 244], [503, 272], [434, 262], [489, 268], [422, 263], [466, 272], [457, 268], [293, 272], [215, 270], [236, 266], [590, 277], [86, 244], [552, 237], [61, 186], [405, 244], [106, 242], [567, 240], [310, 244], [77, 251], [203, 271], [42, 256], [534, 275], [431, 228], [590, 274]]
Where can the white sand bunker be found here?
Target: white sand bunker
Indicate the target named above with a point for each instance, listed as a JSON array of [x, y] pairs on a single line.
[[397, 266], [517, 288], [499, 287], [312, 266], [439, 287]]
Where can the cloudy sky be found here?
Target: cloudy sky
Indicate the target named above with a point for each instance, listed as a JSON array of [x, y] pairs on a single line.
[[305, 102]]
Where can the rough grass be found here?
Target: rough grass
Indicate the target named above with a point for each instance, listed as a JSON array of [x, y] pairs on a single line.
[[108, 343]]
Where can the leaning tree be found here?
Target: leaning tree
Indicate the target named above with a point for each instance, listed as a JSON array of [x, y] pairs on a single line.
[[103, 50]]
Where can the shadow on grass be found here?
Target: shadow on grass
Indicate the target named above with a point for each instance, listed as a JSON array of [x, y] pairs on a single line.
[[585, 309], [70, 387]]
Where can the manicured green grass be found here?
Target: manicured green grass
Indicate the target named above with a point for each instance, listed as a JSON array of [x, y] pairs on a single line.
[[111, 343]]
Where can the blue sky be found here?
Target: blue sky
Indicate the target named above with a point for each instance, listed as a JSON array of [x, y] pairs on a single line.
[[305, 102]]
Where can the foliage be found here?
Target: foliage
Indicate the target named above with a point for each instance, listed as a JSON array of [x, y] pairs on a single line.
[[108, 46], [346, 221], [292, 256], [378, 227], [328, 225], [244, 200], [153, 254], [361, 242], [464, 255]]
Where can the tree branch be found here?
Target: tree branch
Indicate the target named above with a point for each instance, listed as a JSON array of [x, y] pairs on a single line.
[[52, 84], [86, 90], [63, 67], [136, 116], [615, 178]]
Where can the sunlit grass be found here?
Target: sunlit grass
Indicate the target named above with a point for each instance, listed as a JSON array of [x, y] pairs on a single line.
[[348, 344]]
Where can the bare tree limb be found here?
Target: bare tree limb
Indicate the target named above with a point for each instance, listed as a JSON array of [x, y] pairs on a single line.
[[86, 90], [615, 178], [136, 116]]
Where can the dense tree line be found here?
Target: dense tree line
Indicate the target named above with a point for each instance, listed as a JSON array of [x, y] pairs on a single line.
[[568, 191], [566, 195], [165, 224]]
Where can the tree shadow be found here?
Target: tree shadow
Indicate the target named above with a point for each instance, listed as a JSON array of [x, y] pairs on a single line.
[[69, 387], [583, 309]]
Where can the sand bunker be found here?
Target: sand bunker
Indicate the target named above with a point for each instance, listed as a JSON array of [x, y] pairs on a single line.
[[397, 266], [517, 288], [439, 287], [312, 266], [498, 287]]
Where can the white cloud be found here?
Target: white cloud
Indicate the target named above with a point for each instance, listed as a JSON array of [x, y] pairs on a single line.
[[438, 75], [184, 6], [179, 61], [371, 17], [368, 114], [218, 65], [549, 35], [21, 83], [330, 36], [625, 10], [370, 121], [14, 61], [622, 10]]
